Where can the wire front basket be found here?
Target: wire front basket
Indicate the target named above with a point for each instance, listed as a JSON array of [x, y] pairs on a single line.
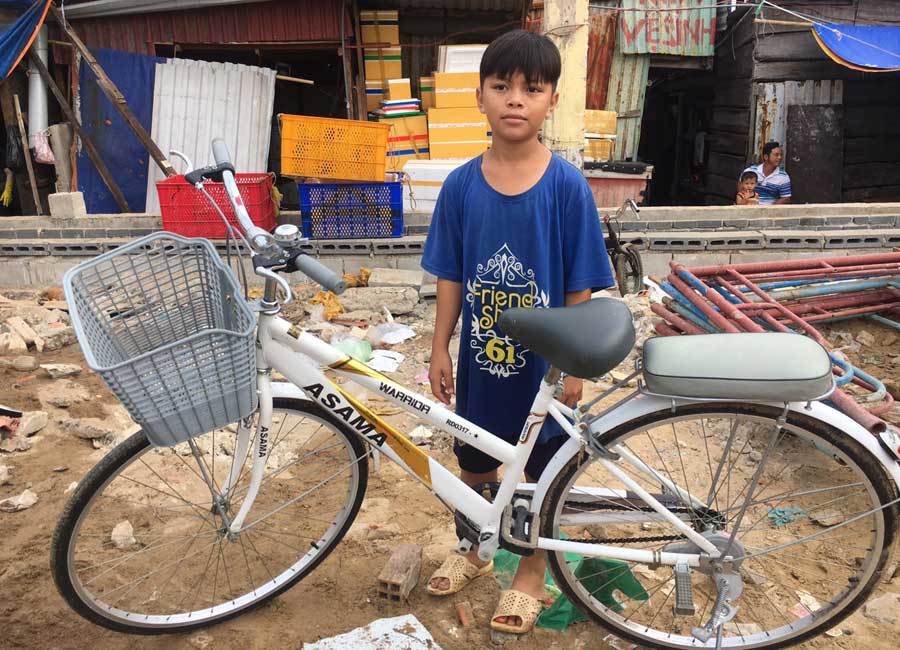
[[162, 321]]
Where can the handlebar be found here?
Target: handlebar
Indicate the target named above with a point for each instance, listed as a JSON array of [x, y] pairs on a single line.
[[260, 240]]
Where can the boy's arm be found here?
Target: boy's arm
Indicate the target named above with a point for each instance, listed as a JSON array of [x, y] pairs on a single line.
[[440, 370], [574, 386], [740, 199]]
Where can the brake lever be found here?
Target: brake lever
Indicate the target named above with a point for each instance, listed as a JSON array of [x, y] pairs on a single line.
[[285, 287]]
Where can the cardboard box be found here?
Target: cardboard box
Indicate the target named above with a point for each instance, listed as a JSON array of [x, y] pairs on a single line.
[[426, 92], [397, 89], [457, 132], [598, 149], [455, 89], [466, 150], [382, 63], [408, 140], [600, 122], [460, 58], [380, 27], [374, 94]]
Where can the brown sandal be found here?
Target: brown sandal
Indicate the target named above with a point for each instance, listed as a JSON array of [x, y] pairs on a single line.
[[516, 603], [459, 571]]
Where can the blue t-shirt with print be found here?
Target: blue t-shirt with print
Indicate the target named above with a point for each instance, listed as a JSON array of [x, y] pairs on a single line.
[[526, 250]]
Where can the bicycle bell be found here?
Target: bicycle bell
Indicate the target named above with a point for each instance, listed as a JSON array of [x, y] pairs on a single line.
[[287, 234]]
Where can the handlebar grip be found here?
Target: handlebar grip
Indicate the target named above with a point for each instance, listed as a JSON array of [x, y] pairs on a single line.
[[220, 151], [321, 274]]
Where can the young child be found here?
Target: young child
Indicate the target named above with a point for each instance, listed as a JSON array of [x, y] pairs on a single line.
[[516, 226], [747, 189]]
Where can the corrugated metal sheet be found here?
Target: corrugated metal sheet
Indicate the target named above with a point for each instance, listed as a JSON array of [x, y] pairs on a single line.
[[627, 88], [773, 99], [268, 22], [691, 32], [196, 101], [601, 47]]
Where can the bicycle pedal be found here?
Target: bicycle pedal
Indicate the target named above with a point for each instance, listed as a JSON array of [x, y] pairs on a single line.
[[518, 532], [684, 591]]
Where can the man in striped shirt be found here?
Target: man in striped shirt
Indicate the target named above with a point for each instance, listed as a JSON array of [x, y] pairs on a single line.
[[774, 185]]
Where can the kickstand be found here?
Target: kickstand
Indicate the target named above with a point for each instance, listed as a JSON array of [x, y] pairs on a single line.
[[719, 638]]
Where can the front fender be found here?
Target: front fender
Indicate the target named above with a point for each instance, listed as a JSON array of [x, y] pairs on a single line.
[[644, 404]]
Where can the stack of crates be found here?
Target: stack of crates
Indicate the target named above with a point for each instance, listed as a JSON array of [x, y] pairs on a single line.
[[354, 152]]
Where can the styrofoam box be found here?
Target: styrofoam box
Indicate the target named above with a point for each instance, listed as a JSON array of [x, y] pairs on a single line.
[[425, 180]]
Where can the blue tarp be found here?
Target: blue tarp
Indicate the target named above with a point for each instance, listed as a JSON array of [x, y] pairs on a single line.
[[16, 38], [119, 148], [861, 47]]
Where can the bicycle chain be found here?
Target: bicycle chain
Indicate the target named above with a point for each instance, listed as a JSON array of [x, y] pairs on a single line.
[[634, 540]]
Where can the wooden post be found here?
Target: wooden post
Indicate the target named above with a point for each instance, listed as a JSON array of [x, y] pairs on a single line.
[[566, 23], [23, 134], [89, 147], [114, 95]]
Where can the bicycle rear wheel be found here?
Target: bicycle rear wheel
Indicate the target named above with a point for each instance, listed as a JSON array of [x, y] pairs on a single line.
[[629, 270], [809, 547], [170, 565]]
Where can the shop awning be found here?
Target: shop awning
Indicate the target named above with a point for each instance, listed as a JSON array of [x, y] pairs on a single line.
[[868, 48], [17, 37]]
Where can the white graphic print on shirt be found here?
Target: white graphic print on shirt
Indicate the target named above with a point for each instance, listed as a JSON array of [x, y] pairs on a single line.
[[500, 283]]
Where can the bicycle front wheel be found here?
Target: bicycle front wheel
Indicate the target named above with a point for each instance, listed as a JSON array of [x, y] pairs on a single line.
[[801, 503], [142, 548]]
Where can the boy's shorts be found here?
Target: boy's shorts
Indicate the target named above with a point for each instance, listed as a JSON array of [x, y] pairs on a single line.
[[476, 461]]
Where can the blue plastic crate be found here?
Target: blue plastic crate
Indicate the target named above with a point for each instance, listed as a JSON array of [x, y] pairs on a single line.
[[351, 210]]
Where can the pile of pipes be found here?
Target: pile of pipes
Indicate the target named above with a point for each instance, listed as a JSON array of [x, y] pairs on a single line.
[[791, 296]]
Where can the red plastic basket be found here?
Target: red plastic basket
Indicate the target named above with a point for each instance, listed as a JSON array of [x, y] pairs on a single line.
[[186, 211]]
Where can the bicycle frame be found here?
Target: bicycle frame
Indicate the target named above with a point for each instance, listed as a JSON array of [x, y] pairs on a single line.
[[281, 346]]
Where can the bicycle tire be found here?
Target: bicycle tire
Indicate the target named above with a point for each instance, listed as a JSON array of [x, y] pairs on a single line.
[[121, 457], [629, 270], [828, 437]]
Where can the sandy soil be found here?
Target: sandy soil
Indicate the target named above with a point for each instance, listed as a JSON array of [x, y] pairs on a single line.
[[338, 596]]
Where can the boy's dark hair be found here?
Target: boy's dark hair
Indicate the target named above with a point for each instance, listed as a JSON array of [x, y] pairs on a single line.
[[534, 55], [746, 176], [769, 146]]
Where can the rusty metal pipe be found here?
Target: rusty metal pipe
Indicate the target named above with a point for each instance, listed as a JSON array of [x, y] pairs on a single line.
[[715, 317], [793, 265], [677, 321], [853, 410]]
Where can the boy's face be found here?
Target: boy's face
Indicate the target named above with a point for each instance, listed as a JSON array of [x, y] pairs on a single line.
[[748, 185], [514, 107]]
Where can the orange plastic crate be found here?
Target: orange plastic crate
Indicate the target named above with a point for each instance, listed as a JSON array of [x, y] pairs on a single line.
[[322, 147]]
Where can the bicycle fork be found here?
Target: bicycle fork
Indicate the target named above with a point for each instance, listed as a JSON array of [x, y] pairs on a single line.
[[260, 452]]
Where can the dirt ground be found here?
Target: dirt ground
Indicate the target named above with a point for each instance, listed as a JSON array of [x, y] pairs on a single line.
[[341, 594]]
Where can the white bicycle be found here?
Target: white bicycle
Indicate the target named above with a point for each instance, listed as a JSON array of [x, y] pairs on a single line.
[[742, 510]]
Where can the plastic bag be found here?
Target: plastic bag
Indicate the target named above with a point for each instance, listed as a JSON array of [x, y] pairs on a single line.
[[350, 345], [14, 158], [599, 576], [389, 334], [333, 306], [42, 151]]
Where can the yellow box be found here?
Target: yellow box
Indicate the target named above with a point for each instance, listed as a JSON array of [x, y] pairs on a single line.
[[455, 89], [598, 149], [374, 94], [602, 122], [453, 125], [458, 149], [397, 89], [407, 140], [382, 63], [380, 27], [426, 92]]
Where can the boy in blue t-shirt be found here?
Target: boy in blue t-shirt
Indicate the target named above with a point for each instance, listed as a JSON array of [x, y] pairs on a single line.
[[515, 227]]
